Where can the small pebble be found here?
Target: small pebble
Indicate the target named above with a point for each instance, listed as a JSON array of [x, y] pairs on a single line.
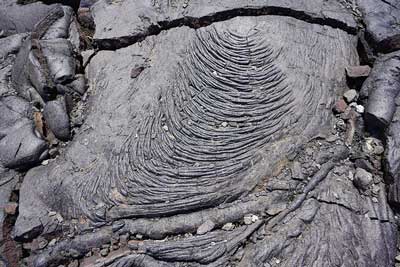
[[104, 252], [52, 213], [42, 244], [74, 263], [139, 236], [124, 239], [249, 219], [397, 258], [360, 109], [331, 138], [375, 189], [228, 227], [136, 71], [206, 227], [52, 242], [297, 172], [350, 95], [59, 218], [11, 208], [340, 106], [362, 179], [378, 150]]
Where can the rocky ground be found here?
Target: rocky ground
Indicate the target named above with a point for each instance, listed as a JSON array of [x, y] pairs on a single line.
[[199, 133]]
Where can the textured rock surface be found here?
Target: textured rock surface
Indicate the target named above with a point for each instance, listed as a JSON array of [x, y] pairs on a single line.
[[146, 17], [9, 47], [56, 116], [198, 133], [392, 157], [382, 88], [171, 138], [19, 145], [16, 18], [22, 148], [45, 59], [7, 183], [382, 20]]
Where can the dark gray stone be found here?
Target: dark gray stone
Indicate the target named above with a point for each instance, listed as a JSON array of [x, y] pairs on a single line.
[[381, 18], [16, 18], [8, 180], [58, 53], [88, 3], [335, 215], [22, 148], [364, 164], [56, 116], [392, 157], [382, 88], [79, 84], [19, 145], [74, 4], [45, 58], [9, 46], [362, 179], [297, 172], [14, 112], [59, 28]]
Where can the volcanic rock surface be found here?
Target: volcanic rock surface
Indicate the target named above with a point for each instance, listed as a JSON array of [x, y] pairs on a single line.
[[199, 133]]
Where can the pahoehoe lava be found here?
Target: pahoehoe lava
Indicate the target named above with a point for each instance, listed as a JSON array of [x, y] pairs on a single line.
[[228, 100], [199, 133]]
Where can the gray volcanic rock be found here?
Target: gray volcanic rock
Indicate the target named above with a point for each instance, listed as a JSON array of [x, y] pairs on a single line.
[[189, 140], [337, 220], [9, 47], [58, 53], [382, 88], [392, 157], [56, 116], [16, 18], [204, 140], [362, 179], [79, 84], [19, 145], [21, 148], [14, 112], [87, 3], [46, 58], [8, 180], [117, 25], [382, 19]]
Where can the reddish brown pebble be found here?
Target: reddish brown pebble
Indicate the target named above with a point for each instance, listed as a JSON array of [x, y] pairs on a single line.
[[358, 71], [340, 106]]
